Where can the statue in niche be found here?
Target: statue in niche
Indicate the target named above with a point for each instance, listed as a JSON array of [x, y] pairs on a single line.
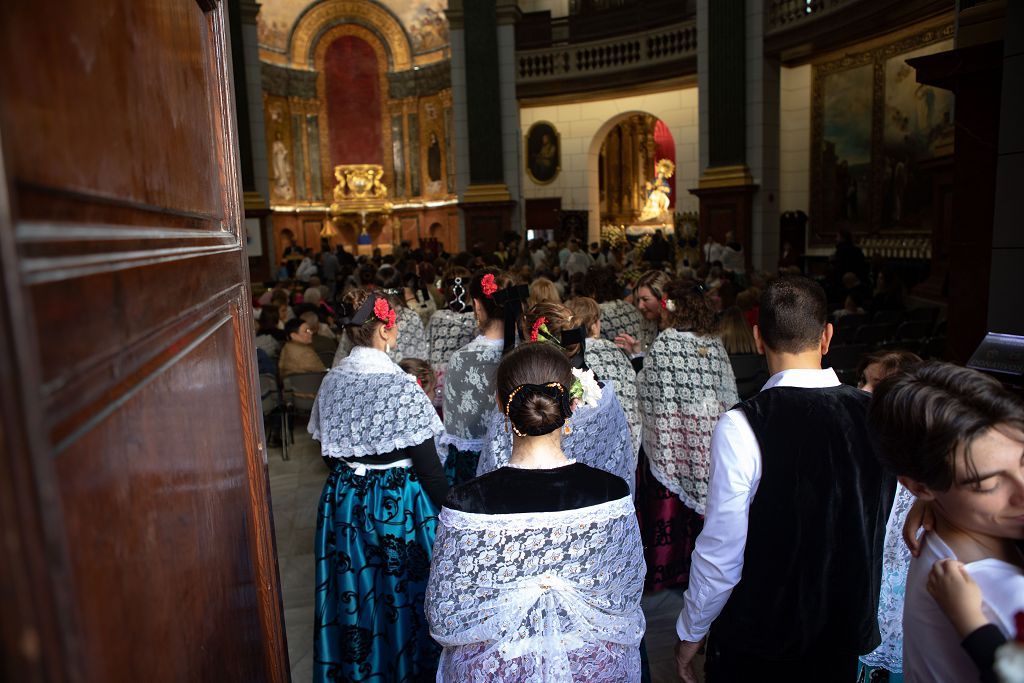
[[657, 205], [434, 165], [282, 170]]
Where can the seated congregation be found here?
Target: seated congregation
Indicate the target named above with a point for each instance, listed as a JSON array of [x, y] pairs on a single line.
[[516, 455]]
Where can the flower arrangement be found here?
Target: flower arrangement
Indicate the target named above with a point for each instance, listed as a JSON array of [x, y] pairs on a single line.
[[383, 312], [585, 387], [489, 286], [539, 325]]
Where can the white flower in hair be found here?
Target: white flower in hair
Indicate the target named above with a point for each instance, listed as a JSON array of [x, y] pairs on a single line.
[[586, 388], [670, 304]]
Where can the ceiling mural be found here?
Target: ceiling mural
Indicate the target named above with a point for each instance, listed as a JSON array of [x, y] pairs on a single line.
[[424, 21]]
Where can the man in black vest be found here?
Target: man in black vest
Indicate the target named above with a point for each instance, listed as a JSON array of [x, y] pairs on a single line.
[[786, 572]]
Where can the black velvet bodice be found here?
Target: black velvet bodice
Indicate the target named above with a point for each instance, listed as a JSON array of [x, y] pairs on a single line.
[[812, 561], [511, 490]]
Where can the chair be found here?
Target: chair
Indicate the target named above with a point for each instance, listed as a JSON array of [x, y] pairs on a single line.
[[751, 371], [300, 395], [874, 334], [845, 357], [273, 406], [887, 318], [914, 330]]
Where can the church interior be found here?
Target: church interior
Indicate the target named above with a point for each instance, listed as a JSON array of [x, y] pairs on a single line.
[[167, 165]]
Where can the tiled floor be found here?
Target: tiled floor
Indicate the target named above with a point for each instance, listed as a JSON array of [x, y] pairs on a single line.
[[295, 487]]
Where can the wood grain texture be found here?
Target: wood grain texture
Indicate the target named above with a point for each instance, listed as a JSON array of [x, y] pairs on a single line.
[[139, 521]]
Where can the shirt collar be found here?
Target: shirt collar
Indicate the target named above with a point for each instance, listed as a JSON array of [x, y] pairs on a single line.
[[806, 378]]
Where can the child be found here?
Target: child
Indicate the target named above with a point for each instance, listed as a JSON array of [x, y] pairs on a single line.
[[955, 438]]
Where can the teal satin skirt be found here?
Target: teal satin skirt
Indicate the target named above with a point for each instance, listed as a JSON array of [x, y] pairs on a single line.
[[374, 535], [460, 466]]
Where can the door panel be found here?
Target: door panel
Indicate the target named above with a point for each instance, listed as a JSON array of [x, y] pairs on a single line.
[[139, 524]]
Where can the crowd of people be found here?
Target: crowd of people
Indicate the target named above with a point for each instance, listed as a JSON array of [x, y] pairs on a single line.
[[521, 442]]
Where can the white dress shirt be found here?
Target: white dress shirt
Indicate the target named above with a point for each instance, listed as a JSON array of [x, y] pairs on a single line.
[[717, 561]]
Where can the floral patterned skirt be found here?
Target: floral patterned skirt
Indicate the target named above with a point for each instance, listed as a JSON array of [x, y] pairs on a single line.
[[460, 466], [374, 536], [668, 528]]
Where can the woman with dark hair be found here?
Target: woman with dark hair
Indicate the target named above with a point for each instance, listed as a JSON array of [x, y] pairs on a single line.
[[469, 382], [538, 569], [686, 382], [377, 515], [269, 336], [600, 435], [452, 327], [618, 317]]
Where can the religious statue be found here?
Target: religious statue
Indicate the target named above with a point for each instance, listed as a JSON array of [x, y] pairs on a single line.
[[657, 205], [434, 165], [282, 171]]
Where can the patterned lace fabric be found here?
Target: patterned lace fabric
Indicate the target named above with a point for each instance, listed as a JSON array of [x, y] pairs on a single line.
[[618, 317], [366, 405], [538, 597], [412, 340], [600, 438], [447, 332], [686, 383], [895, 563], [609, 363], [469, 393]]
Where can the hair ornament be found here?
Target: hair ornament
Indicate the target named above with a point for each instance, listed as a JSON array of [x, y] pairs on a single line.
[[382, 311], [585, 388], [553, 390], [668, 304], [354, 317], [488, 285], [539, 325]]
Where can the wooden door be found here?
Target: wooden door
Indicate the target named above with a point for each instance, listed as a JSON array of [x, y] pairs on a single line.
[[134, 505]]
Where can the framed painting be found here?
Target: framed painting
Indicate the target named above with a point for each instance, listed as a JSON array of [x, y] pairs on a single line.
[[543, 152]]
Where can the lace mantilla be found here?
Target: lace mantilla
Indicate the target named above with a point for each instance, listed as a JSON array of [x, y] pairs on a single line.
[[538, 597], [609, 363], [618, 317], [895, 564], [600, 438], [469, 389], [367, 405], [447, 332], [686, 383]]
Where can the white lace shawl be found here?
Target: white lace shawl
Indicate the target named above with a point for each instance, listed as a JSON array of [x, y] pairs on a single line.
[[895, 563], [619, 317], [539, 597], [685, 384], [367, 405], [600, 438], [609, 363], [447, 332], [411, 343], [469, 393]]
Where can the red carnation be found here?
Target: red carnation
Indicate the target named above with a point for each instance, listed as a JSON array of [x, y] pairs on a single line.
[[488, 285], [664, 301], [383, 312], [537, 324]]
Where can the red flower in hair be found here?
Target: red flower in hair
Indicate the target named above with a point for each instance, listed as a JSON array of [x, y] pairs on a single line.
[[383, 312], [488, 284], [664, 302], [537, 324]]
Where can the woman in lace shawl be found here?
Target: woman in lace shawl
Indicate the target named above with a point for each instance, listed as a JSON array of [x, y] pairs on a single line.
[[412, 340], [600, 435], [608, 361], [538, 568], [888, 656], [469, 383], [453, 327], [376, 518], [685, 384], [647, 295], [618, 317]]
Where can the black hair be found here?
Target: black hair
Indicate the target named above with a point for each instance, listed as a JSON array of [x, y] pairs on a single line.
[[792, 314]]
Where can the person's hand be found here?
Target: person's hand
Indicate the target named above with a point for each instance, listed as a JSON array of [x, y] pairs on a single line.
[[627, 343], [685, 652], [958, 595], [919, 516]]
